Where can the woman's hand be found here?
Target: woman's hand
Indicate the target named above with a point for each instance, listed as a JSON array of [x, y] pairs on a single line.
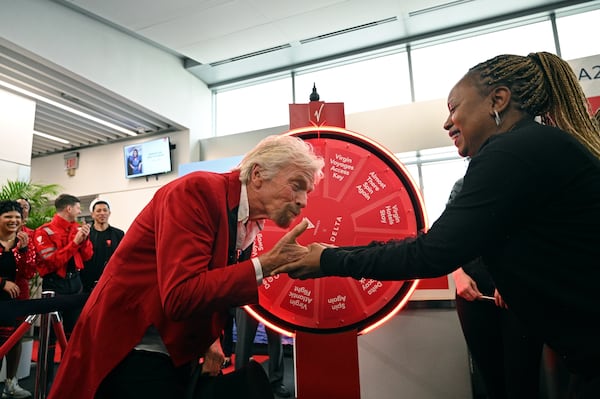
[[12, 289], [23, 239], [286, 250], [466, 287], [499, 301], [307, 267]]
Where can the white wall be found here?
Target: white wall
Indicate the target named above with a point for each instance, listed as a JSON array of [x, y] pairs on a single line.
[[408, 127], [418, 354], [102, 172], [404, 128], [16, 135], [119, 63]]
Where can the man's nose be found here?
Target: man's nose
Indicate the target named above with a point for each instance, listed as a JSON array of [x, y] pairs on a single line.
[[302, 199]]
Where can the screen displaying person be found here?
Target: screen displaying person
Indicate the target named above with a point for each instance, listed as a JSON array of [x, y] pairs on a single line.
[[134, 162]]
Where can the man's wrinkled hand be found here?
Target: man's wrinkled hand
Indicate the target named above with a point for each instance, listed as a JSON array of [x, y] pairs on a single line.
[[286, 250], [213, 359], [307, 267]]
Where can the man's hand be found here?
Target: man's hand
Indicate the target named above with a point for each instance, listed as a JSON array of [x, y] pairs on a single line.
[[213, 359], [82, 233], [307, 267], [286, 250]]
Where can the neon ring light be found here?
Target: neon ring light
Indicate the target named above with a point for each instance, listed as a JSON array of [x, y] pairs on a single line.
[[366, 195]]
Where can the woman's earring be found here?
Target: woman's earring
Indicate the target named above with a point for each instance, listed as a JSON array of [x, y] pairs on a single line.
[[497, 118]]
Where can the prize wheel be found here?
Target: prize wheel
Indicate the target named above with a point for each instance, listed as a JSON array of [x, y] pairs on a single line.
[[366, 195]]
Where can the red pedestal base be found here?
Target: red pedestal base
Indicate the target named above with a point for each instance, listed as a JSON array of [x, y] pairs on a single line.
[[327, 365]]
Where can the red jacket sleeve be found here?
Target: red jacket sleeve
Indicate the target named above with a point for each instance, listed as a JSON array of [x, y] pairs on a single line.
[[86, 250], [54, 255], [191, 252], [26, 261]]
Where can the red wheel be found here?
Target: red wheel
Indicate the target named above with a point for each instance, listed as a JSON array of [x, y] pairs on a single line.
[[366, 195]]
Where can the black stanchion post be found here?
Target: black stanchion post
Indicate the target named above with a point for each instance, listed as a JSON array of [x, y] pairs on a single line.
[[42, 363]]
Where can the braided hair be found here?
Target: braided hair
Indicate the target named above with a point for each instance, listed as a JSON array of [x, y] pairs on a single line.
[[542, 84]]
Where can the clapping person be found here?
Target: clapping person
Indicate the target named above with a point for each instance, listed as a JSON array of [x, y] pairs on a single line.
[[105, 239], [17, 266], [63, 246]]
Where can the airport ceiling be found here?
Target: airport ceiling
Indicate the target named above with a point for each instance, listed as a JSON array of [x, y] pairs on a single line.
[[223, 41]]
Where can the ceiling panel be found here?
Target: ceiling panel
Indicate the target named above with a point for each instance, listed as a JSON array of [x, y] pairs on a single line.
[[222, 41], [21, 71]]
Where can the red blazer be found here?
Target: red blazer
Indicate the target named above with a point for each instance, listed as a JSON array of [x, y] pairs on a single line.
[[169, 271]]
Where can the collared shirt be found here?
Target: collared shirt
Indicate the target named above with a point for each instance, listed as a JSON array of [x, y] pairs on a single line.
[[247, 232]]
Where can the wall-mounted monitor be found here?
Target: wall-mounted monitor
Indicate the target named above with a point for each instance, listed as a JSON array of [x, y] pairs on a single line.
[[148, 158]]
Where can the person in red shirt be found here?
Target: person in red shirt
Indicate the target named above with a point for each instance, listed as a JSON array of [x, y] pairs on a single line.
[[164, 296], [63, 247]]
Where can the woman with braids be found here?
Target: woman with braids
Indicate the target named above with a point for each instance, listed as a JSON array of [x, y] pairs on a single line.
[[529, 206]]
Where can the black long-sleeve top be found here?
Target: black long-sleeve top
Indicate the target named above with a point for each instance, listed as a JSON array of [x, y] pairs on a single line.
[[530, 206]]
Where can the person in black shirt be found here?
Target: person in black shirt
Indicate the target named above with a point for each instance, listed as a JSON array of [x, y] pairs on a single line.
[[506, 356], [529, 206], [105, 239]]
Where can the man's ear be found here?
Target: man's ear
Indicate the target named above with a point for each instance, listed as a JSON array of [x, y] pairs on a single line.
[[255, 176], [500, 96]]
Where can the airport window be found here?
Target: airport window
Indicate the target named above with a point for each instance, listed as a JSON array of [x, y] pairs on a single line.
[[253, 107], [437, 68], [362, 86], [435, 171], [576, 35]]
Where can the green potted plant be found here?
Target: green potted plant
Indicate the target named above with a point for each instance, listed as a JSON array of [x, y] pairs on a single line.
[[41, 212]]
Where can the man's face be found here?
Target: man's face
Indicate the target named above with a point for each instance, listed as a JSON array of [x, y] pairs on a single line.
[[283, 197], [73, 211], [100, 213]]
